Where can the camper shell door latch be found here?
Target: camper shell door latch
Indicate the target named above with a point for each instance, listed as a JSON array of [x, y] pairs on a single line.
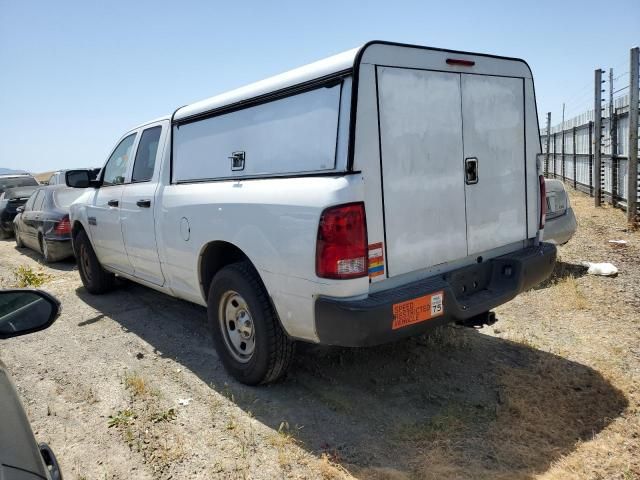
[[237, 161], [471, 170]]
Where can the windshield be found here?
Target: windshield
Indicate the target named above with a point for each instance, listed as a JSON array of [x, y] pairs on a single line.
[[12, 182], [65, 197]]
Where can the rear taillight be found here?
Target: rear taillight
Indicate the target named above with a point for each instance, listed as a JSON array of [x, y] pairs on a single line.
[[543, 201], [341, 248], [63, 227]]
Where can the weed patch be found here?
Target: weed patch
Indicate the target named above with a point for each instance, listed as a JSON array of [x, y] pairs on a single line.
[[25, 277]]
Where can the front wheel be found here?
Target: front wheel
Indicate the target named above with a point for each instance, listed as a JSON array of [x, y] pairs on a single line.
[[246, 331], [94, 277]]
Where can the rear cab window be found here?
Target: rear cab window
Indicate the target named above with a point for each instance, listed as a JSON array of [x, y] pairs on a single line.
[[145, 161]]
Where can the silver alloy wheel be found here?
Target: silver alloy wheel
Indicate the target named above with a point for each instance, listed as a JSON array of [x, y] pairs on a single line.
[[45, 249], [236, 324]]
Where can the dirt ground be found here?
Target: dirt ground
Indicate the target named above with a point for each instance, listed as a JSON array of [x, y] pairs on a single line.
[[128, 386]]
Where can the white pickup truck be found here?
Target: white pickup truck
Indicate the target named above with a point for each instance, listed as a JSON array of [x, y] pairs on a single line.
[[353, 201]]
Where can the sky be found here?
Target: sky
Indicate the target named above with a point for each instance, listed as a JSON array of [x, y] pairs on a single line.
[[75, 75]]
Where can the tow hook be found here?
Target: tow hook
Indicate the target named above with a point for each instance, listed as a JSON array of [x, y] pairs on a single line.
[[478, 321]]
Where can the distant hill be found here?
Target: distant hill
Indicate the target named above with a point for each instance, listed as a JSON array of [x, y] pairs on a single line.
[[7, 171], [43, 177]]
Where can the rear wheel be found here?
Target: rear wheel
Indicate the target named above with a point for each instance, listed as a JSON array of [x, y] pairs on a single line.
[[246, 331], [16, 234], [94, 277]]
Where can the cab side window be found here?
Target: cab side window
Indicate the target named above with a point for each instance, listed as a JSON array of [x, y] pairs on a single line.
[[146, 155], [116, 168]]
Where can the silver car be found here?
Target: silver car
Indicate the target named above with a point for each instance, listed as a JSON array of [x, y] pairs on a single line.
[[560, 222]]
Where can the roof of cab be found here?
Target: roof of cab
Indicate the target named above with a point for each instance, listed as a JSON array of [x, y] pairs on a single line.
[[321, 68]]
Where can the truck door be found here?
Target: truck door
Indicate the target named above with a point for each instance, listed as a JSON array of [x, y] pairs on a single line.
[[103, 214], [137, 213]]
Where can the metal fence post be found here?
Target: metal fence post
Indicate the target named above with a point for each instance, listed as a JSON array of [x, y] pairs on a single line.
[[615, 163], [597, 160], [554, 156], [548, 139], [632, 185], [591, 158], [575, 159], [562, 166], [613, 143]]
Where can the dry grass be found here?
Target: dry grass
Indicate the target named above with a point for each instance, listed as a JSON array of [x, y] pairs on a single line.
[[568, 295], [543, 409], [145, 425], [136, 384]]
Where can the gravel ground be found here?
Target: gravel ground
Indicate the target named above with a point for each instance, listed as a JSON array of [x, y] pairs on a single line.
[[127, 386]]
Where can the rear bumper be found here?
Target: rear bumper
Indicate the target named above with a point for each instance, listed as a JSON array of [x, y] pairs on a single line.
[[467, 292], [559, 230], [6, 221], [59, 248]]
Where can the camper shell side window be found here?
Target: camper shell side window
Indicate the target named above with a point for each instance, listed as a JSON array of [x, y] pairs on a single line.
[[301, 133]]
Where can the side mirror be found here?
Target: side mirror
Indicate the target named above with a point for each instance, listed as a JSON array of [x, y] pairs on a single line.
[[77, 178], [20, 209], [26, 311]]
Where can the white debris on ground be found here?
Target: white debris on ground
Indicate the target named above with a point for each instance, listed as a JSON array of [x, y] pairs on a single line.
[[605, 269], [183, 402]]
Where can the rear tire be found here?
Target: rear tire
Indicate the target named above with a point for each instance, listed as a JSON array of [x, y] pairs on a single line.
[[16, 234], [245, 327], [94, 277]]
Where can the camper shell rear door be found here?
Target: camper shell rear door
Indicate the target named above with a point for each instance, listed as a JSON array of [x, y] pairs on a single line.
[[451, 175]]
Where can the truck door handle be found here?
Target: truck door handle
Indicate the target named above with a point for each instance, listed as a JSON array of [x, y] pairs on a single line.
[[471, 170], [144, 203], [113, 203]]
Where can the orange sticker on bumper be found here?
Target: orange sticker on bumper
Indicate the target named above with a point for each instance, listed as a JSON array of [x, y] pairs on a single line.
[[418, 310]]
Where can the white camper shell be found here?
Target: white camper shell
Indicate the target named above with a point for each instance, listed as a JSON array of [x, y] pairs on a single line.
[[418, 118], [423, 144]]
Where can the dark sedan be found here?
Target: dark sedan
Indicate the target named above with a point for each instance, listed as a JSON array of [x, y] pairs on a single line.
[[43, 223], [10, 200]]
